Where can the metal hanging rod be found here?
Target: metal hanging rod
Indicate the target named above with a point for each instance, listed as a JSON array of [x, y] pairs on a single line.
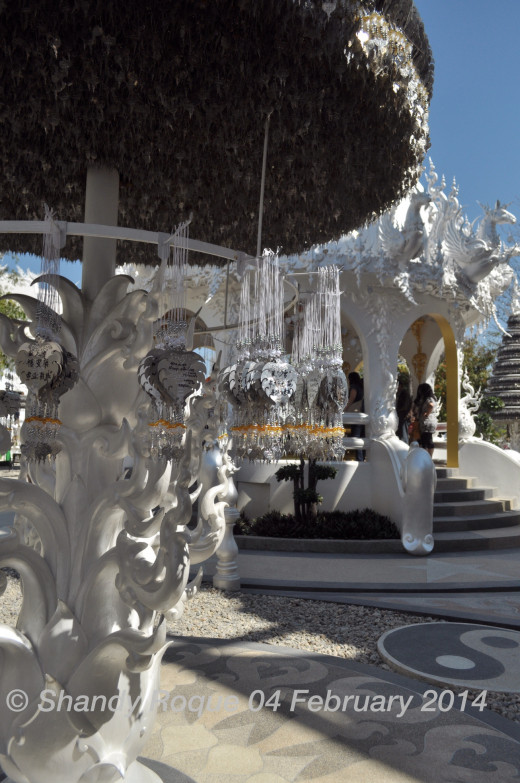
[[118, 232], [138, 235]]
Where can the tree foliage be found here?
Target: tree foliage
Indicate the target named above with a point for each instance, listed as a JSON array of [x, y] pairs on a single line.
[[306, 498], [478, 362]]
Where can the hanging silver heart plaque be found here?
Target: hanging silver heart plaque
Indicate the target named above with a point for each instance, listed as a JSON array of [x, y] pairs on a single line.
[[180, 373], [279, 381], [38, 364]]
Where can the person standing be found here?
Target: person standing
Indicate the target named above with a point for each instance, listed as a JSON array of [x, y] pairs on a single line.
[[355, 405], [424, 408], [403, 406]]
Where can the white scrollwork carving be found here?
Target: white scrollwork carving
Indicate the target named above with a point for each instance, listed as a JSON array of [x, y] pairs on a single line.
[[105, 554], [468, 407]]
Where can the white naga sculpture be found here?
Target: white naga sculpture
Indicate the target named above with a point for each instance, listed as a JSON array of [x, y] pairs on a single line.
[[477, 254], [406, 243], [426, 246], [468, 407], [109, 557], [419, 480]]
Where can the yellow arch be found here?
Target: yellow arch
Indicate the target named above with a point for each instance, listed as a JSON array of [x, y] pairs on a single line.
[[452, 391]]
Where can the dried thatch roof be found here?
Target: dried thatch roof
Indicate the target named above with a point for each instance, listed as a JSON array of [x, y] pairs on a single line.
[[175, 96]]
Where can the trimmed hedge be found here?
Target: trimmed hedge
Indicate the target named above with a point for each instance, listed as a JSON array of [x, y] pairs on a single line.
[[360, 525]]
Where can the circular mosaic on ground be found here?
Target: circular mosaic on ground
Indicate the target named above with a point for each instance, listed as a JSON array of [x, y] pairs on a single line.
[[472, 656]]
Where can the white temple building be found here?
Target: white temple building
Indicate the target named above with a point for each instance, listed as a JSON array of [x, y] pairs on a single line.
[[412, 284]]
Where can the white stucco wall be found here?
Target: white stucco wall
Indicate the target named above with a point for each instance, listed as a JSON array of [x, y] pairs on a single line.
[[260, 492]]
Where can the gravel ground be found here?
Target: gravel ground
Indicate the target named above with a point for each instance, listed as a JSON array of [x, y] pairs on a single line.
[[348, 632]]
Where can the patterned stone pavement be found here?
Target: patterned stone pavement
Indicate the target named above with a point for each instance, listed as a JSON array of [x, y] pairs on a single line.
[[323, 720], [388, 728]]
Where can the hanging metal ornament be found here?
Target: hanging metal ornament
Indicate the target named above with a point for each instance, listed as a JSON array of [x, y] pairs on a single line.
[[261, 383], [169, 373], [49, 372], [317, 430], [39, 365], [278, 381], [44, 366]]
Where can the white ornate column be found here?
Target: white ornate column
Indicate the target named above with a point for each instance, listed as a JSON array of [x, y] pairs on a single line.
[[106, 559]]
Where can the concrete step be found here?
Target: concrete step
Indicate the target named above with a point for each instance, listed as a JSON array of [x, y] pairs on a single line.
[[453, 483], [463, 495], [444, 472], [456, 541], [467, 517], [483, 522], [498, 538], [470, 508]]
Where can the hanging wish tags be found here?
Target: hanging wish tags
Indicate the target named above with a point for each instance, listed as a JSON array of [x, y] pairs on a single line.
[[313, 385], [333, 391], [238, 386], [181, 373], [300, 393], [38, 364], [256, 393], [230, 377], [251, 375], [339, 387], [147, 374], [226, 379], [68, 377], [279, 381]]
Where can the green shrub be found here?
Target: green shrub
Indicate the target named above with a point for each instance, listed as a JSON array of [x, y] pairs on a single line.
[[364, 524]]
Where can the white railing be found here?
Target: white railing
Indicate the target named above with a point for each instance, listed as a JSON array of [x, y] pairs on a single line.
[[356, 443]]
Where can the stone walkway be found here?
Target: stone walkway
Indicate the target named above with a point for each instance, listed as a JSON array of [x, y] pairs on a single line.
[[327, 720], [323, 720]]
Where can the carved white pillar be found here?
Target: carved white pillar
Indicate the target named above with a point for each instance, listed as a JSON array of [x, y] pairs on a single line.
[[99, 568], [101, 206]]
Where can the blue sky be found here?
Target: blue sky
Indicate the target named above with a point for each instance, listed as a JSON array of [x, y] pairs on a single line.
[[475, 107], [474, 114]]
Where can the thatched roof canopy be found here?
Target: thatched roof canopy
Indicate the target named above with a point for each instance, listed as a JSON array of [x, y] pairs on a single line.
[[175, 96]]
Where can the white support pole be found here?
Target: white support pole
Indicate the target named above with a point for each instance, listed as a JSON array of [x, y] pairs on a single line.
[[101, 206]]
